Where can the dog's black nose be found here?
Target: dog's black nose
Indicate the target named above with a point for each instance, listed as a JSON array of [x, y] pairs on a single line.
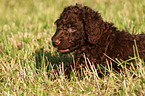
[[56, 42]]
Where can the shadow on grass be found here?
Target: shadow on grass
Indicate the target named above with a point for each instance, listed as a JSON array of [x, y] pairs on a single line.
[[48, 59]]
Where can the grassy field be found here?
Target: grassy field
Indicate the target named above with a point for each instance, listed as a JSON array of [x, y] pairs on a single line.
[[30, 65]]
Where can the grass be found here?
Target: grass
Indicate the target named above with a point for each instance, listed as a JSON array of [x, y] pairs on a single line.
[[30, 65]]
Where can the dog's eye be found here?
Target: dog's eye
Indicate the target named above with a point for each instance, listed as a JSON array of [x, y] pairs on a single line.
[[72, 29]]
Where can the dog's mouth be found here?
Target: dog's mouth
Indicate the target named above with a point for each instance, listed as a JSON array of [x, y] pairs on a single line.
[[66, 50]]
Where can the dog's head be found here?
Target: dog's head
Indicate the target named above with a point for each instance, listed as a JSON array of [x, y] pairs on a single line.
[[76, 26]]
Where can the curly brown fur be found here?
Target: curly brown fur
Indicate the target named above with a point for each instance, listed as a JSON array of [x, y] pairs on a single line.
[[82, 29]]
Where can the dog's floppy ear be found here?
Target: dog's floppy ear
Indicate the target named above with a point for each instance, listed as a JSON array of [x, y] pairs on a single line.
[[92, 24]]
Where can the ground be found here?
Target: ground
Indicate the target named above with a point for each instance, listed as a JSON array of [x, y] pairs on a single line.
[[30, 65]]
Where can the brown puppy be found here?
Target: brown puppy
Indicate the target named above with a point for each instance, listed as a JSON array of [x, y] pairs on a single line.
[[82, 29]]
